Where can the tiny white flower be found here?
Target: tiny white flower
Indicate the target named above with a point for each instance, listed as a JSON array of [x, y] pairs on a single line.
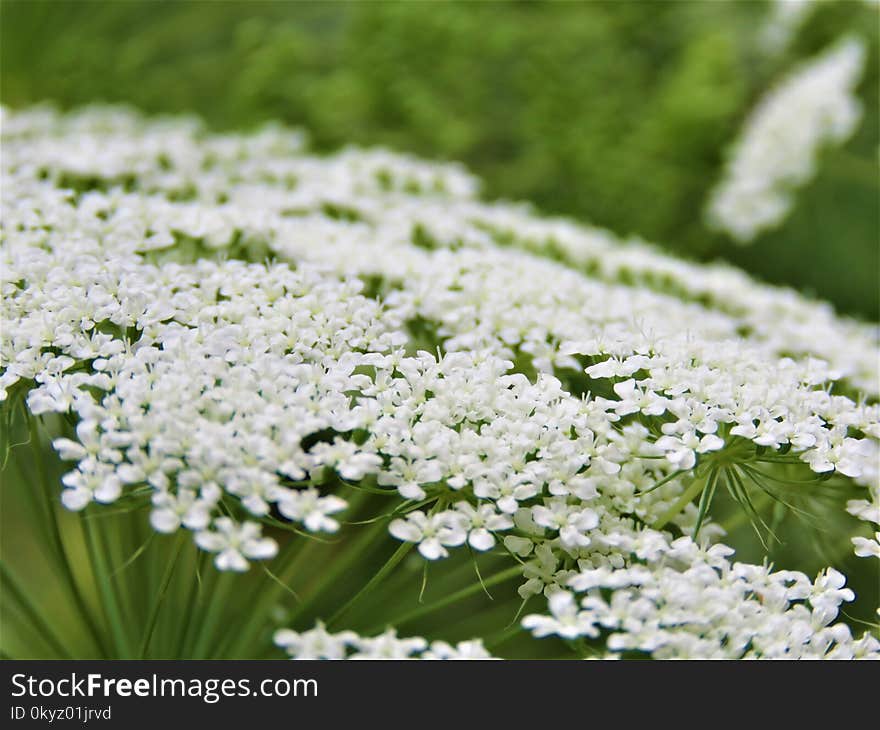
[[235, 544], [566, 620], [481, 522], [433, 533], [866, 548]]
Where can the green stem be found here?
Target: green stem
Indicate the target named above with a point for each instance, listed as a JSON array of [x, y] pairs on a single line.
[[665, 480], [354, 550], [294, 557], [106, 592], [683, 501], [705, 501], [740, 516], [192, 596], [217, 602], [35, 502], [32, 610], [163, 590], [371, 585], [470, 590], [787, 482], [61, 558]]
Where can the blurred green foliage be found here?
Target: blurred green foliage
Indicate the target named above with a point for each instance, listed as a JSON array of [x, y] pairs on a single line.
[[618, 113]]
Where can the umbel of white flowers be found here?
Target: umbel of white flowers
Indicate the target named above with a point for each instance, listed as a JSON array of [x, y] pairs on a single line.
[[785, 18], [778, 150], [204, 305]]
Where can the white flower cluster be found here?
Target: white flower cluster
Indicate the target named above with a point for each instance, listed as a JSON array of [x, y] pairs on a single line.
[[318, 643], [868, 511], [777, 151], [676, 600], [398, 335], [784, 20]]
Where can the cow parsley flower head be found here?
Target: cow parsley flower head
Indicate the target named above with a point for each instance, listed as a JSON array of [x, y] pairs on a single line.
[[777, 151], [261, 346]]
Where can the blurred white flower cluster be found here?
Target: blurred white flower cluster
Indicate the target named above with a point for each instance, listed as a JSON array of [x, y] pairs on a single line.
[[238, 328], [785, 18], [778, 150]]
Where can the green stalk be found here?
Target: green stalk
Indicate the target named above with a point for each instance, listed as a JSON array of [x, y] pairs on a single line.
[[163, 590], [36, 503], [32, 610], [106, 592], [54, 531], [705, 500], [371, 585], [740, 516], [664, 480], [192, 596], [353, 551], [216, 602], [470, 590], [114, 542], [140, 532], [384, 571], [207, 577], [272, 591], [683, 501]]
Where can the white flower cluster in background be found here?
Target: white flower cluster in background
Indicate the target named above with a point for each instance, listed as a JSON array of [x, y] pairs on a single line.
[[777, 151], [318, 643], [237, 328], [785, 19]]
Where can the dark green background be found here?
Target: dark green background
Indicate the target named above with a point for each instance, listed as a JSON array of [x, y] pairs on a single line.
[[617, 113]]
